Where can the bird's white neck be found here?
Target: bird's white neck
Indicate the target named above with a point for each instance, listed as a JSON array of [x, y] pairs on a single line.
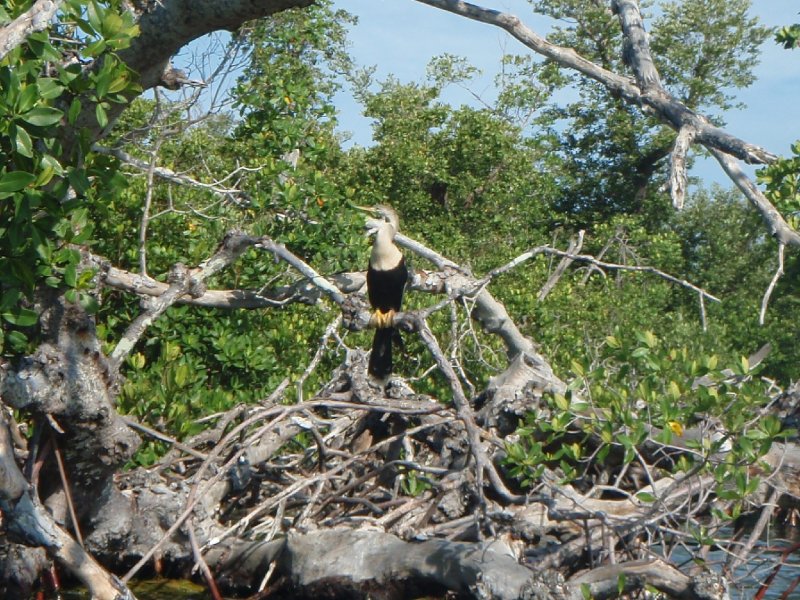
[[385, 255]]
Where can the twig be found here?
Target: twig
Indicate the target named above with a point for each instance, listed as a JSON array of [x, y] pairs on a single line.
[[62, 472], [280, 251], [482, 462], [163, 437], [148, 200], [332, 326], [740, 556], [574, 247], [193, 496], [598, 263], [772, 283], [200, 561], [216, 187], [182, 282]]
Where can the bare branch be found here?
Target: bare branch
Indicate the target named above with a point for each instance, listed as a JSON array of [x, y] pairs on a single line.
[[598, 263], [677, 165], [638, 52], [603, 582], [148, 201], [280, 251], [36, 18], [773, 282], [482, 461], [182, 282], [217, 187], [667, 108], [778, 227], [574, 247]]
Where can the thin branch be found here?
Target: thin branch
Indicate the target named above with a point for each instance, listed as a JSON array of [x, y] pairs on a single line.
[[195, 494], [148, 201], [773, 282], [598, 263], [199, 560], [677, 165], [739, 557], [575, 246], [62, 473], [482, 461], [183, 281], [217, 187], [280, 251], [162, 437]]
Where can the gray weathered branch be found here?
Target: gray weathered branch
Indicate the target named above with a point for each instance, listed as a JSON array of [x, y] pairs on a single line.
[[664, 106], [36, 18]]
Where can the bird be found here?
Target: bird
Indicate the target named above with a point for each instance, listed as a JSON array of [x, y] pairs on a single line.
[[386, 280]]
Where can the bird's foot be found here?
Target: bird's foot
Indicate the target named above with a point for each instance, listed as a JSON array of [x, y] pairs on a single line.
[[388, 318], [382, 320]]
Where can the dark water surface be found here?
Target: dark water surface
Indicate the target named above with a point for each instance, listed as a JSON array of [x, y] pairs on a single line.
[[157, 589]]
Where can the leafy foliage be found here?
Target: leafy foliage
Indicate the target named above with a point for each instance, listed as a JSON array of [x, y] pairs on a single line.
[[46, 181], [789, 36], [479, 184], [639, 389]]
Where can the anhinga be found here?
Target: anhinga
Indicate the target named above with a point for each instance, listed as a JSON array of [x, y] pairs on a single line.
[[386, 280]]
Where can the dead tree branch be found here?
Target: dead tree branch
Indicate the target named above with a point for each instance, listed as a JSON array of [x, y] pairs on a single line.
[[648, 93], [36, 18]]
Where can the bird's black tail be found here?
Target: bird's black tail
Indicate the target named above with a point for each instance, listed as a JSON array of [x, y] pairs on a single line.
[[380, 359]]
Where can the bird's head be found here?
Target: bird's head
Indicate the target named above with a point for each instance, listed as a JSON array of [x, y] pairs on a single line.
[[381, 215]]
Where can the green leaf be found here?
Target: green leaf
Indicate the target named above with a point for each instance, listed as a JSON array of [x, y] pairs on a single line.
[[93, 13], [74, 111], [586, 591], [119, 84], [71, 275], [50, 88], [100, 115], [561, 402], [88, 302], [22, 317], [15, 181], [112, 24], [17, 340], [42, 116], [22, 140], [27, 98], [102, 83]]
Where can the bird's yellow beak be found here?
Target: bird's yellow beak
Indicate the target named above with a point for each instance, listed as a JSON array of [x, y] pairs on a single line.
[[371, 224]]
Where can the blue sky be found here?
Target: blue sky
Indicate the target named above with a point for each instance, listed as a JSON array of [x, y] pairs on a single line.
[[401, 36]]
